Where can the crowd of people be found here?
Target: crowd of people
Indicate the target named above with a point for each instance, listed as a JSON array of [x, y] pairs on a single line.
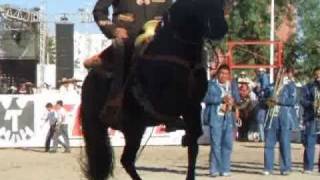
[[15, 85], [274, 116]]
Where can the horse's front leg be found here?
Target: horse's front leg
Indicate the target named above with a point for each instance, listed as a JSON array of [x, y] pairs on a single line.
[[193, 149], [133, 135], [193, 132]]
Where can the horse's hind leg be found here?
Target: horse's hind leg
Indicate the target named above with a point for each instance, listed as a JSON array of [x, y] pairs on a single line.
[[133, 135], [193, 132]]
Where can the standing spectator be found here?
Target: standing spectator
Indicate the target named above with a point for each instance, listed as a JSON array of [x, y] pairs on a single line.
[[61, 128], [279, 125], [220, 100], [311, 105], [246, 109], [263, 92], [319, 161], [64, 85], [52, 119]]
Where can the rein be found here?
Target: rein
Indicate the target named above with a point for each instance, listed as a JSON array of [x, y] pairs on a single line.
[[168, 58]]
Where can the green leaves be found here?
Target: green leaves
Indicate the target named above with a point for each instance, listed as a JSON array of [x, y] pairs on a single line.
[[250, 20], [308, 36]]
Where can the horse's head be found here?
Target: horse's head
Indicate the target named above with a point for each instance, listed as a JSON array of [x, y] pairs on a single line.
[[194, 20]]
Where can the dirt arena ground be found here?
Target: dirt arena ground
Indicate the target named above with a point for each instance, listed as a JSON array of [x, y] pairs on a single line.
[[156, 163]]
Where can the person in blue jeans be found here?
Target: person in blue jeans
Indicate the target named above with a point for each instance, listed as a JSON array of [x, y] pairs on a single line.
[[279, 125], [220, 99], [310, 97], [263, 92]]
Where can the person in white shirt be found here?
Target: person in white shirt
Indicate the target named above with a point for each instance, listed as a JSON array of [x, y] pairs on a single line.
[[61, 128]]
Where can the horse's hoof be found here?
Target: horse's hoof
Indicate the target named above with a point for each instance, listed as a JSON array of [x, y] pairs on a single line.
[[190, 178]]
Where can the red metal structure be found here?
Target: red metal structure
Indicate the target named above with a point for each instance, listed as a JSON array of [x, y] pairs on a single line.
[[278, 63]]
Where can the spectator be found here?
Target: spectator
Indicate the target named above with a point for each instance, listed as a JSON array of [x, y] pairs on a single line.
[[279, 124], [61, 128], [263, 92], [311, 106], [52, 119], [220, 100]]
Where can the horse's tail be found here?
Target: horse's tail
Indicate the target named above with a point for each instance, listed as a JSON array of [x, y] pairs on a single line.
[[99, 153]]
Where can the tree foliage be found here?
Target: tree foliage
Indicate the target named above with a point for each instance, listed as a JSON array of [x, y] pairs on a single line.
[[308, 40], [250, 20]]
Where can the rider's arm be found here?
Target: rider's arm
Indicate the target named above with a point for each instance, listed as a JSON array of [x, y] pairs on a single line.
[[101, 14]]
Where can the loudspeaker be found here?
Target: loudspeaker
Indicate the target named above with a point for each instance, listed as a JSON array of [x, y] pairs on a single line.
[[64, 50]]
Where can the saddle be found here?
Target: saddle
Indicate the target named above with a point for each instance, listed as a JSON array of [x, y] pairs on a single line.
[[104, 58]]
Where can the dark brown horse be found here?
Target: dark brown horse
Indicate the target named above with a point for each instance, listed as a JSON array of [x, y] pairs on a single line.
[[166, 83]]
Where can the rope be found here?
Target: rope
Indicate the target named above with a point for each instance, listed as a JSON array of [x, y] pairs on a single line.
[[145, 144]]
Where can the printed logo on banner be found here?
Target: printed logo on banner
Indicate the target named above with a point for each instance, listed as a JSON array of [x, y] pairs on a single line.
[[160, 130], [16, 119], [73, 112], [76, 130]]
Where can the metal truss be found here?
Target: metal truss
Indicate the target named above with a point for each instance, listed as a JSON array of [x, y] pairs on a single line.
[[14, 18], [18, 14]]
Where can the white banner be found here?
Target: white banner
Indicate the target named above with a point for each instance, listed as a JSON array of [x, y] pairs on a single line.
[[22, 122]]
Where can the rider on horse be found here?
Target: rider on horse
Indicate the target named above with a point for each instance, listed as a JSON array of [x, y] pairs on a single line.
[[127, 20]]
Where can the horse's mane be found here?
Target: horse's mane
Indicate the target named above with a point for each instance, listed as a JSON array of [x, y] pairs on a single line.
[[170, 41], [184, 27]]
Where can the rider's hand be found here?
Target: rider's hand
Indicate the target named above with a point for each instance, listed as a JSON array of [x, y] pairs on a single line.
[[121, 33]]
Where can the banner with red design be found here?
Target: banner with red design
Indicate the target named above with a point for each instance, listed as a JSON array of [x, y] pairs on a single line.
[[22, 122]]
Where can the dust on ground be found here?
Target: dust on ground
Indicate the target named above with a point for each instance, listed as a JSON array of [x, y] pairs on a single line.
[[156, 163]]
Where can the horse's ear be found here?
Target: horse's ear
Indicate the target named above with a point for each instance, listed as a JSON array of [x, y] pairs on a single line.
[[179, 13]]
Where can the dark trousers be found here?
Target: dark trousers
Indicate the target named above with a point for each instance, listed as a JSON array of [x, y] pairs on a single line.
[[309, 142], [319, 163], [49, 137]]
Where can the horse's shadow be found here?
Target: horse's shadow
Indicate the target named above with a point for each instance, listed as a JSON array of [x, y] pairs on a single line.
[[167, 170], [240, 167], [236, 167], [161, 169], [32, 149], [262, 147]]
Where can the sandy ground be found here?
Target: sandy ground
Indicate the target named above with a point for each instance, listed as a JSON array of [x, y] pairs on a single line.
[[156, 163]]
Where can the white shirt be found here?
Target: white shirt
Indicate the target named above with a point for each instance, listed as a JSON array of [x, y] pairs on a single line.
[[61, 116]]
